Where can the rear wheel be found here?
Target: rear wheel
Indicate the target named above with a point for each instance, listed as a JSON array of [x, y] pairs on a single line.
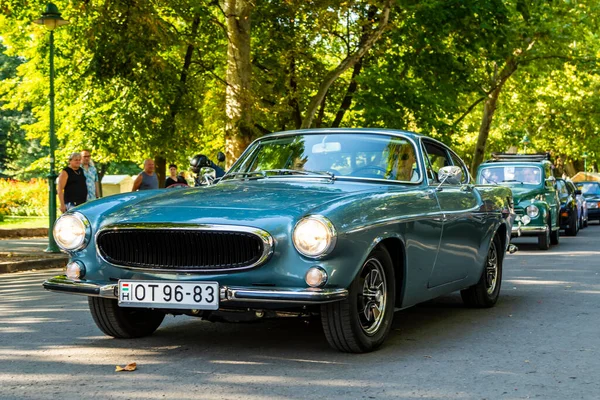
[[361, 322], [123, 322], [573, 228], [485, 292]]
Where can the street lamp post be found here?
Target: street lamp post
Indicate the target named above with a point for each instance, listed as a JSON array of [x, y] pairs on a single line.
[[52, 19], [525, 142], [584, 156]]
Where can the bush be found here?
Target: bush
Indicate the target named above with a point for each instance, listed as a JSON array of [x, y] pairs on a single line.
[[24, 198]]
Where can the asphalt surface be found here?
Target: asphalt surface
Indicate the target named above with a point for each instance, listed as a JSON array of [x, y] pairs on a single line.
[[24, 254], [540, 341]]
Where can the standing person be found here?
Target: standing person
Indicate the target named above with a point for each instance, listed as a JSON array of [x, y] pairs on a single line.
[[91, 175], [72, 188], [147, 179], [173, 178]]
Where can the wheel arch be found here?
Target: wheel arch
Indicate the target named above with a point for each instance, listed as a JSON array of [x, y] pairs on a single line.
[[395, 247]]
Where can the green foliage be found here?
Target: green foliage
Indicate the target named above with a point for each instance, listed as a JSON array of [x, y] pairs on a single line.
[[148, 79], [24, 198]]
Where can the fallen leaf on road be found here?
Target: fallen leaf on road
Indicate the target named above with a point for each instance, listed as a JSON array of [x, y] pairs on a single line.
[[128, 367]]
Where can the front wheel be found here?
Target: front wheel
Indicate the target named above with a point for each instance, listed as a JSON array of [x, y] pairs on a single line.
[[554, 235], [544, 239], [361, 322], [485, 292], [123, 322]]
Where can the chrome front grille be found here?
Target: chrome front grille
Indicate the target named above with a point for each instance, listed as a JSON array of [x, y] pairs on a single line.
[[186, 249]]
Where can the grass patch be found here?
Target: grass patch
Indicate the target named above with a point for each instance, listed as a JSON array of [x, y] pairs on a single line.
[[24, 222]]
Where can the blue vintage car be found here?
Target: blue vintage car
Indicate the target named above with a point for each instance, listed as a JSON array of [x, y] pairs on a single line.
[[348, 224]]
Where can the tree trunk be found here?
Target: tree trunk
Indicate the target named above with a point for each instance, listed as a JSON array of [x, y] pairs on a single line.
[[239, 130], [366, 43], [170, 121], [160, 169], [349, 94], [489, 109]]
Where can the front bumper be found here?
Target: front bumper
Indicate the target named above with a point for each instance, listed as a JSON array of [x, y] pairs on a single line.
[[528, 230], [234, 294]]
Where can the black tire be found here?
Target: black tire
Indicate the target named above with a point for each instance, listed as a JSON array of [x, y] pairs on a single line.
[[123, 322], [572, 229], [544, 238], [554, 235], [586, 223], [352, 331], [485, 293]]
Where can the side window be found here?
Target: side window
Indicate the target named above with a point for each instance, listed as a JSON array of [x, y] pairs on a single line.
[[562, 189], [458, 162], [438, 158]]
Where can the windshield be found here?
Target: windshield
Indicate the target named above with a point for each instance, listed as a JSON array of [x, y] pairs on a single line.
[[589, 189], [332, 155], [510, 174]]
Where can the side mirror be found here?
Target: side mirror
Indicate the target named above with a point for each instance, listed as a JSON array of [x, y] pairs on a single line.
[[450, 174], [208, 175], [578, 192], [220, 156]]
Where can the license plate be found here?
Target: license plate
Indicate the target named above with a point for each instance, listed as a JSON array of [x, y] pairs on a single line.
[[169, 294]]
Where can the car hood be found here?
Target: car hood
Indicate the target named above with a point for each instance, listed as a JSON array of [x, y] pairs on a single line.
[[592, 197], [236, 201], [521, 193]]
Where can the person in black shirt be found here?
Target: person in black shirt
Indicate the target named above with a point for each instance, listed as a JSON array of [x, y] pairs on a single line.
[[173, 178], [72, 188]]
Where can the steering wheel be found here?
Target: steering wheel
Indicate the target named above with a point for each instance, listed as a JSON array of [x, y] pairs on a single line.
[[175, 185], [378, 172]]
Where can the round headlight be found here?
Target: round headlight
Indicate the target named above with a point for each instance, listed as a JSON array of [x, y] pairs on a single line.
[[532, 211], [314, 236], [71, 231]]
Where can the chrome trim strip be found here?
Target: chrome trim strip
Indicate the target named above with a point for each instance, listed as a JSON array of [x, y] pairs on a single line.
[[437, 216], [237, 294], [265, 236], [309, 295]]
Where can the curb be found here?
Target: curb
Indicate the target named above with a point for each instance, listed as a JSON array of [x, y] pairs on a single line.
[[21, 233], [44, 263]]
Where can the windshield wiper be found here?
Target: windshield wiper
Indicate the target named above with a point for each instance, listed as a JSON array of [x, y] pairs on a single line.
[[278, 172], [512, 180], [249, 174], [283, 171]]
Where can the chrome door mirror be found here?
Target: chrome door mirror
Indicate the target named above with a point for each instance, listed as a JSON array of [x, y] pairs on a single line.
[[450, 174], [208, 175]]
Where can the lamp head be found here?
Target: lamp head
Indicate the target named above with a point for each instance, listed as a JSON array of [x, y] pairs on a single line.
[[51, 18]]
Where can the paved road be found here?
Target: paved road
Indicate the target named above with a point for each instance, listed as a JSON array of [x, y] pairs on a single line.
[[541, 341]]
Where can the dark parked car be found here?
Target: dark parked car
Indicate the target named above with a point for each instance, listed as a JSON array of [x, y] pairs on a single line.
[[591, 193], [348, 224], [569, 217], [582, 211], [530, 178]]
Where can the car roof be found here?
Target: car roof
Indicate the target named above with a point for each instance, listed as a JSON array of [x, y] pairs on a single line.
[[316, 131]]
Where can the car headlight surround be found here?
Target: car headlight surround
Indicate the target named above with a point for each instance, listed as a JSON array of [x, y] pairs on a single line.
[[72, 231], [532, 211], [314, 236]]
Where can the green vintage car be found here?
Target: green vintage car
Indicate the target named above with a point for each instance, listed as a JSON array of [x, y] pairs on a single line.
[[345, 224], [536, 200]]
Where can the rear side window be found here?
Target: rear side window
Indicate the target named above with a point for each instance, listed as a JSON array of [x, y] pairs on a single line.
[[437, 157], [459, 163]]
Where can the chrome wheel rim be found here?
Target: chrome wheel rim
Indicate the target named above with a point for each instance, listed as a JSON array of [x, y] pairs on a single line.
[[491, 269], [373, 296]]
